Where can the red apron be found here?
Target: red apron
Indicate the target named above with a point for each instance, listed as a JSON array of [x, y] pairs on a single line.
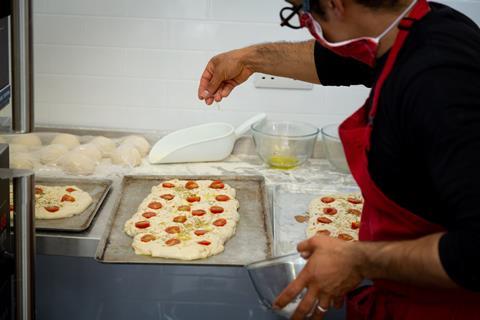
[[385, 220]]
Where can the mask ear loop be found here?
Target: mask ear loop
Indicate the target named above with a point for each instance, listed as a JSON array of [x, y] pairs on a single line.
[[397, 21]]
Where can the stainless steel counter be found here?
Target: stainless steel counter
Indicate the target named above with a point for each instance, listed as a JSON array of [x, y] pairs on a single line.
[[316, 172]]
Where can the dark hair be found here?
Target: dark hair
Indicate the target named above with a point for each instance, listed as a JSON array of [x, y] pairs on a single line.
[[317, 6], [379, 3]]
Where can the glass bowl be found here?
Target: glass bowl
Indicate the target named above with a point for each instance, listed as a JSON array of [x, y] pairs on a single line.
[[333, 148], [270, 277], [284, 144]]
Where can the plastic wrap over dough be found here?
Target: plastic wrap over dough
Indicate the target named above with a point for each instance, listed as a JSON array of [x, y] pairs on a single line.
[[76, 163], [51, 153], [90, 150], [105, 145], [139, 142], [68, 140], [126, 154], [30, 140], [22, 161]]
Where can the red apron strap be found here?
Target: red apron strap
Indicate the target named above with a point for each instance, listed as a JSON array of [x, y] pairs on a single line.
[[417, 13]]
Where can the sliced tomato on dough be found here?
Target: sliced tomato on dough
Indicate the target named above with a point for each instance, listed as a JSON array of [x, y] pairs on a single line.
[[184, 208], [204, 243], [148, 238], [323, 220], [330, 211], [172, 229], [172, 242], [354, 200], [38, 190], [191, 185], [222, 197], [168, 185], [355, 225], [327, 199], [68, 198], [344, 236], [198, 212], [167, 196], [355, 212], [324, 232], [52, 208], [217, 184], [155, 205], [200, 232], [180, 219], [142, 224], [216, 209], [220, 222], [193, 199], [70, 189], [148, 214]]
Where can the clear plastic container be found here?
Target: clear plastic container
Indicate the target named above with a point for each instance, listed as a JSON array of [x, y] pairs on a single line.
[[333, 148]]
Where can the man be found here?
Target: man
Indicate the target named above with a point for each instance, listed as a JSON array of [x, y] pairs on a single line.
[[413, 148]]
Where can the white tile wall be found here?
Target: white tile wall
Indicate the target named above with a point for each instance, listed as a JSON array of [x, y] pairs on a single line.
[[135, 64]]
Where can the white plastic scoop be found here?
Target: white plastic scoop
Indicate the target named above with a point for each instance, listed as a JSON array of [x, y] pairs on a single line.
[[206, 142]]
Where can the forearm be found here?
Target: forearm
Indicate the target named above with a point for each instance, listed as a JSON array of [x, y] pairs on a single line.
[[412, 261], [285, 59]]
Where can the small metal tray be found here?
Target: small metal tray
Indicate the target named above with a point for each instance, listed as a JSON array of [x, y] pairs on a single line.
[[251, 242], [290, 201], [98, 190]]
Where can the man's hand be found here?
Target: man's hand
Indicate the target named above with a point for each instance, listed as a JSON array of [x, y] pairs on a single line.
[[331, 271], [284, 59], [223, 73]]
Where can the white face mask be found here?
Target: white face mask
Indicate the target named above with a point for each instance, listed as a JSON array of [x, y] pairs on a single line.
[[362, 49]]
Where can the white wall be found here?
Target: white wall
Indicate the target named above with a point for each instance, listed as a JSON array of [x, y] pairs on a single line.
[[135, 64]]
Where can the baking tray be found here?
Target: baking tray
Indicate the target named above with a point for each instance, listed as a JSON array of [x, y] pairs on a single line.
[[251, 242], [98, 190], [291, 200]]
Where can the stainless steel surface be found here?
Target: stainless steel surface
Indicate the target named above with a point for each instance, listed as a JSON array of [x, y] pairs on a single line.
[[316, 172], [24, 243], [251, 242], [291, 200], [271, 276], [22, 66], [98, 190]]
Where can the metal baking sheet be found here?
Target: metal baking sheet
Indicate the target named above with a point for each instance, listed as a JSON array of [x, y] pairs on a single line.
[[290, 201], [98, 190], [251, 242]]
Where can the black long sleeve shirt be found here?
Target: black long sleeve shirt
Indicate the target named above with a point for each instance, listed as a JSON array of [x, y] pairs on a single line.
[[425, 152]]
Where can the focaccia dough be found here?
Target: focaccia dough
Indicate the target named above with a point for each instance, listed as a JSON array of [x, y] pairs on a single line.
[[105, 145], [30, 140], [339, 218], [51, 196], [68, 140], [199, 220]]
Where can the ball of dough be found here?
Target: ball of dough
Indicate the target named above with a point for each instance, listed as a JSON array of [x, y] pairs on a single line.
[[17, 148], [126, 154], [105, 145], [22, 161], [90, 150], [76, 163], [68, 140], [51, 153], [139, 142], [30, 140]]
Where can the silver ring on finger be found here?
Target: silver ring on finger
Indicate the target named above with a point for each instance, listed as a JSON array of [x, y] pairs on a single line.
[[319, 308]]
